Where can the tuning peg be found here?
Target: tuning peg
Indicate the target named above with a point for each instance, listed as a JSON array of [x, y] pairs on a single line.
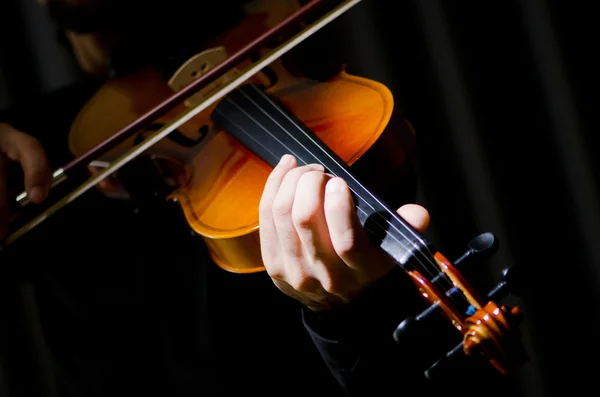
[[481, 247], [514, 280], [424, 330], [449, 363], [428, 320], [413, 326]]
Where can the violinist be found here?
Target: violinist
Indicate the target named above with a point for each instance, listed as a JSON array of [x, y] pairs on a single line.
[[135, 316]]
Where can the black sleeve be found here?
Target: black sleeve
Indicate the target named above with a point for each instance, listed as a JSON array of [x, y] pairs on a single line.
[[356, 342]]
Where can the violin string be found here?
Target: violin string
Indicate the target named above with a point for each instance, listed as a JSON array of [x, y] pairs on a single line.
[[427, 259]]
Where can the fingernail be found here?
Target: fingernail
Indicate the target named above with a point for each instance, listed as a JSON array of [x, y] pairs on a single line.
[[36, 194], [335, 185], [317, 167]]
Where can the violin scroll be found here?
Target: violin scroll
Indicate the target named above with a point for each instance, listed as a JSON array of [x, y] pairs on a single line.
[[489, 331]]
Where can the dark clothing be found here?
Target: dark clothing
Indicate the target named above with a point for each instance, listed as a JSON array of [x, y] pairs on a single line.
[[357, 343]]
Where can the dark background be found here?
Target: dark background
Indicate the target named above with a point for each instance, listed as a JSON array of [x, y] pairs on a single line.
[[501, 97]]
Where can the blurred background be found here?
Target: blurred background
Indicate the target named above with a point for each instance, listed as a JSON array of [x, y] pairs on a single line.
[[501, 98]]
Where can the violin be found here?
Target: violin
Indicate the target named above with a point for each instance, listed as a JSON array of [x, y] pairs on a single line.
[[270, 127], [229, 121]]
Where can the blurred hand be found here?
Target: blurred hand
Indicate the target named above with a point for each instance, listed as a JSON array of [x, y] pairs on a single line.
[[18, 146], [313, 245]]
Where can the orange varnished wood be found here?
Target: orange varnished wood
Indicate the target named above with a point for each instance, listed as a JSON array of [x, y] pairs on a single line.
[[458, 280], [221, 199], [433, 295], [491, 332]]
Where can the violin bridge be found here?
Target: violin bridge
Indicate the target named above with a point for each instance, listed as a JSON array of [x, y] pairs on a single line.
[[197, 66]]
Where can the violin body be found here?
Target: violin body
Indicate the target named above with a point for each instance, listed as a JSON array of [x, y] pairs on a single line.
[[217, 181], [349, 114]]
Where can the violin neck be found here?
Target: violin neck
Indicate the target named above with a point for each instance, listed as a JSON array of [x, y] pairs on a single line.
[[270, 131]]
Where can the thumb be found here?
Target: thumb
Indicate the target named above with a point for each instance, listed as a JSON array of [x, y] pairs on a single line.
[[415, 215]]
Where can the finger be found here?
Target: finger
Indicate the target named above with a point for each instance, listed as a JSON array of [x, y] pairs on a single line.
[[415, 215], [29, 152], [282, 213], [347, 235], [268, 234], [308, 216], [4, 213]]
